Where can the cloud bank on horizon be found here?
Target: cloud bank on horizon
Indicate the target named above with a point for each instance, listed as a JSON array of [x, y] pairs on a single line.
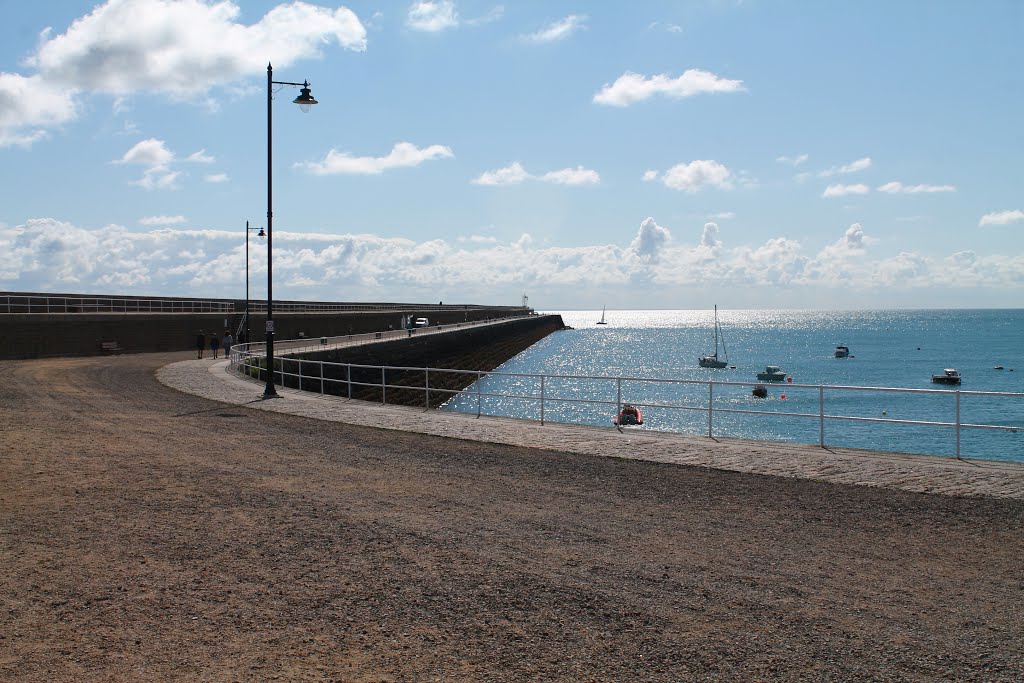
[[485, 148], [50, 255]]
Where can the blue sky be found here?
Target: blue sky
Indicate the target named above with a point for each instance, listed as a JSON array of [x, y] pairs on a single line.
[[749, 153]]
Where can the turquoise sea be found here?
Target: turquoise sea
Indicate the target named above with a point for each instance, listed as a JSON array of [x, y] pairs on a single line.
[[889, 349]]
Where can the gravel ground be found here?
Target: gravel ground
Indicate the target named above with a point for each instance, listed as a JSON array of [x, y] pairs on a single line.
[[147, 534]]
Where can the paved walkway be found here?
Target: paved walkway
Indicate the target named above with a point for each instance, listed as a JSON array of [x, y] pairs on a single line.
[[928, 474]]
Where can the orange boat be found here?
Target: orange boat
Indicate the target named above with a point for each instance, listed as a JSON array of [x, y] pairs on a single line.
[[629, 415]]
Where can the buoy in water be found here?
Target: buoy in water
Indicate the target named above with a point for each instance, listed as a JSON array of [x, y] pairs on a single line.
[[789, 379], [885, 412], [783, 396]]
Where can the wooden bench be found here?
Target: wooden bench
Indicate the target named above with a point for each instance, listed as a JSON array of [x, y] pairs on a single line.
[[108, 347]]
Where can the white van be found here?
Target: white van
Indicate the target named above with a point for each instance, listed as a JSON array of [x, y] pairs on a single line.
[[421, 322]]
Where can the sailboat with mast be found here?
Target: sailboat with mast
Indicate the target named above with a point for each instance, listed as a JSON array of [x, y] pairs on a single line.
[[601, 321], [712, 360]]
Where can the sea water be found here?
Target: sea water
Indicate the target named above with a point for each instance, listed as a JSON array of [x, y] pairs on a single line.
[[900, 349]]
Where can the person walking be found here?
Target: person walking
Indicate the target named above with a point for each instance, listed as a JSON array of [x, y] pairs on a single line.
[[227, 342], [214, 344], [200, 344]]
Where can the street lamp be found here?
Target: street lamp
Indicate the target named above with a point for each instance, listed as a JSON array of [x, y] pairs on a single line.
[[305, 101], [261, 235]]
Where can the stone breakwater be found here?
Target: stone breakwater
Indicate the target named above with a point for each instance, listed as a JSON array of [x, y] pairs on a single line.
[[475, 349]]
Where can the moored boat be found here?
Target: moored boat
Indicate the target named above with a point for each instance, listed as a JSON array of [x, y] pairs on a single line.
[[842, 351], [629, 415], [712, 360], [948, 376], [772, 373]]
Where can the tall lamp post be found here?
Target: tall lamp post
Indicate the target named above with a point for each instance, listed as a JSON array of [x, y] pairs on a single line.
[[261, 235], [305, 101]]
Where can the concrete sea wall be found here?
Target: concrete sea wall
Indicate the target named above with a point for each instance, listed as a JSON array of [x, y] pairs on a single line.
[[36, 335], [480, 349]]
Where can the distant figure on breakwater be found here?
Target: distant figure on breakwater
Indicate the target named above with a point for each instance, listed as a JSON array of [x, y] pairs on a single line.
[[227, 342], [200, 344], [214, 344]]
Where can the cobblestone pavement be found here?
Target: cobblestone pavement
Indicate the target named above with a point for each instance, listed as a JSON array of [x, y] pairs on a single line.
[[919, 473]]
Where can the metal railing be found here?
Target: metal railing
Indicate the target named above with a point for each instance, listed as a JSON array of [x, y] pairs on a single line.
[[70, 304], [338, 379], [315, 344], [46, 303]]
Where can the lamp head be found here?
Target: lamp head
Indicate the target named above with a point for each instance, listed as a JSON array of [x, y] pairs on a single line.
[[304, 100], [261, 234]]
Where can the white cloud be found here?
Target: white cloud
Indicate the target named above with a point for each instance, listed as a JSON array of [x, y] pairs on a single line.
[[154, 154], [650, 239], [723, 215], [896, 187], [151, 152], [200, 157], [402, 155], [478, 239], [853, 243], [697, 175], [852, 167], [432, 16], [650, 175], [158, 178], [515, 174], [793, 161], [494, 14], [843, 190], [669, 28], [187, 47], [1002, 217], [162, 220], [29, 106], [182, 49], [709, 238], [632, 87], [558, 30], [572, 176], [216, 178], [51, 255]]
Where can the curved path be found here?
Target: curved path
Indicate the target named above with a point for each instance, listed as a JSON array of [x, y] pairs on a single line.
[[149, 534]]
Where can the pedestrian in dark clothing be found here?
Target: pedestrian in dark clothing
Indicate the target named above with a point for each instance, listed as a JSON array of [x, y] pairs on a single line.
[[214, 344], [200, 344]]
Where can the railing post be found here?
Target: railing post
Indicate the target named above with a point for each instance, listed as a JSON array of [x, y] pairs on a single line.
[[711, 407], [957, 424], [426, 384], [321, 364], [478, 380], [300, 374], [821, 415], [348, 375], [542, 399], [383, 385], [618, 395]]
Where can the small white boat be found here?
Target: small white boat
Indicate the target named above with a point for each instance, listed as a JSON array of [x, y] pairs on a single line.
[[711, 360], [948, 376], [601, 321], [772, 373], [842, 351]]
